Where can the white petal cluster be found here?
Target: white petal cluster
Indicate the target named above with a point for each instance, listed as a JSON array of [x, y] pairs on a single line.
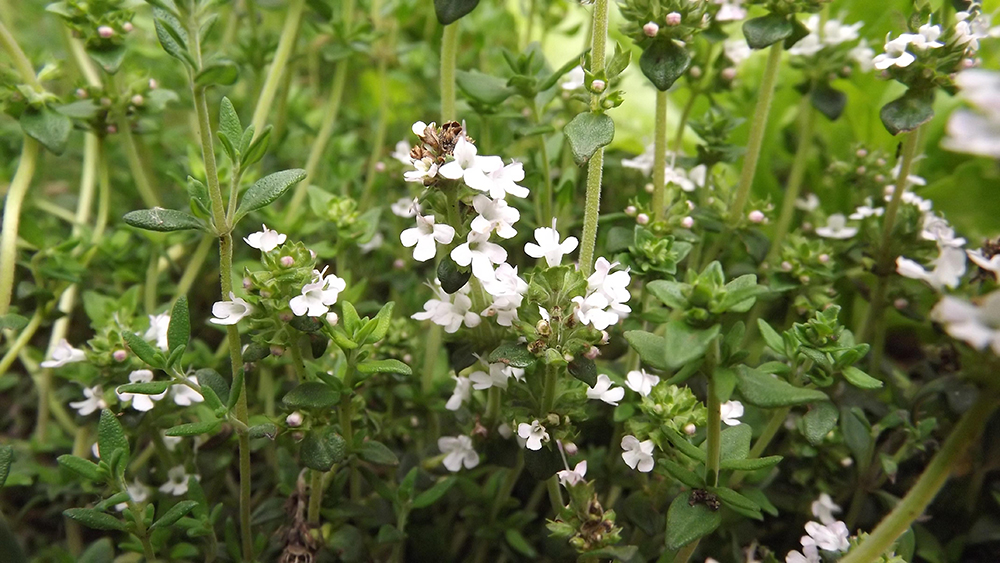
[[569, 477], [63, 353], [93, 401], [449, 311], [266, 240], [141, 403], [157, 331], [533, 434], [978, 324], [177, 481], [637, 455], [497, 375], [990, 264], [831, 537], [461, 394], [824, 508], [549, 247], [641, 382], [976, 131], [607, 292], [481, 254], [948, 267], [230, 312], [507, 290], [730, 412], [730, 10], [836, 228], [459, 452], [317, 296], [897, 50], [604, 391], [833, 33], [425, 236]]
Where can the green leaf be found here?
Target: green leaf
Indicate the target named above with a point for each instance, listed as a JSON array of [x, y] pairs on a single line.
[[229, 123], [684, 344], [162, 220], [172, 36], [143, 350], [321, 449], [857, 435], [95, 519], [829, 101], [48, 127], [431, 495], [82, 109], [762, 390], [860, 379], [909, 111], [773, 340], [269, 188], [383, 319], [618, 62], [584, 369], [683, 474], [670, 293], [175, 513], [384, 366], [753, 464], [388, 533], [520, 544], [6, 459], [799, 32], [211, 379], [150, 388], [101, 551], [767, 30], [450, 11], [179, 329], [762, 501], [13, 321], [311, 395], [221, 72], [734, 442], [740, 295], [623, 553], [686, 523], [451, 277], [377, 453], [195, 428], [236, 389], [819, 421], [725, 382], [650, 347], [542, 463], [109, 57], [681, 443], [588, 132], [110, 436], [484, 88], [663, 62], [256, 148], [265, 430], [512, 354]]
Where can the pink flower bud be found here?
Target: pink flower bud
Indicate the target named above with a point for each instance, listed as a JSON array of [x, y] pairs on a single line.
[[880, 162], [901, 303], [247, 284], [879, 178], [138, 100], [861, 153], [120, 355], [651, 29], [605, 337], [294, 420], [81, 93], [106, 31], [598, 85], [127, 26], [728, 74], [673, 18], [649, 188], [695, 71], [642, 218], [570, 448], [846, 462], [153, 84], [287, 261], [687, 222], [399, 264], [756, 216], [630, 211], [824, 258], [592, 353], [786, 266], [277, 351], [861, 170], [380, 166], [112, 129], [690, 429]]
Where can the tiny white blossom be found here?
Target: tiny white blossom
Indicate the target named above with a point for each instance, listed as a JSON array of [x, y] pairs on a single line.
[[419, 127], [499, 182], [737, 51], [638, 455], [927, 37], [422, 170], [461, 394], [642, 162], [809, 555], [549, 246], [402, 152], [318, 296], [230, 312], [482, 254], [140, 402], [425, 236], [63, 354], [177, 483], [93, 401], [573, 80], [865, 211], [975, 324], [949, 267], [405, 207], [373, 243], [494, 215], [137, 492], [266, 240], [731, 10], [449, 311], [862, 54], [832, 537], [614, 285], [991, 264], [808, 203], [836, 228], [641, 382], [592, 310], [730, 412], [603, 390], [824, 508], [184, 395], [937, 229], [459, 452], [495, 377], [468, 164], [895, 53], [533, 434], [570, 477], [157, 331]]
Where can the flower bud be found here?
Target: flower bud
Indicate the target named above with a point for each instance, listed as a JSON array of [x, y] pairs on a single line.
[[880, 162], [846, 462], [287, 261], [120, 355], [649, 188], [642, 218], [879, 178], [673, 18], [605, 337], [901, 303], [277, 351], [690, 205], [138, 100], [543, 327], [153, 84], [592, 353], [552, 419], [598, 85], [690, 429], [298, 436], [81, 93], [105, 31], [786, 266], [756, 216], [805, 279], [332, 318], [630, 211], [650, 29], [728, 74], [294, 420], [399, 264], [860, 170], [824, 258], [687, 222], [112, 129], [128, 27], [285, 317], [861, 153], [570, 448], [695, 71], [380, 166], [568, 357], [407, 358], [247, 284], [106, 102]]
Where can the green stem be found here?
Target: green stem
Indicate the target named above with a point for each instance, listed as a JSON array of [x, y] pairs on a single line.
[[315, 495], [927, 486], [449, 56], [660, 156], [807, 117], [757, 129], [12, 217], [152, 275], [595, 169], [770, 431], [140, 531], [714, 434], [685, 115], [17, 56], [685, 553], [492, 405], [431, 348], [289, 34], [136, 166]]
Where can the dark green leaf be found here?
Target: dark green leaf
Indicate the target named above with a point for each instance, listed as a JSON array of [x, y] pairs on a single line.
[[162, 220], [543, 463], [382, 321], [101, 551], [388, 533], [670, 293], [221, 72], [110, 436], [311, 395], [431, 495], [584, 369], [172, 35], [773, 340], [255, 147], [650, 347], [763, 390], [753, 464], [734, 442], [449, 11], [321, 449], [483, 88], [860, 379], [269, 188], [663, 62], [179, 330], [175, 513], [48, 127], [195, 428], [799, 32], [519, 543], [909, 111], [265, 430], [587, 133], [6, 459], [451, 277], [377, 453], [829, 101], [684, 344], [681, 443], [512, 354], [13, 321], [384, 366], [767, 30], [109, 57], [682, 474], [211, 379], [857, 435], [256, 351], [819, 421], [95, 519], [150, 388], [229, 123], [143, 350], [687, 523], [737, 502]]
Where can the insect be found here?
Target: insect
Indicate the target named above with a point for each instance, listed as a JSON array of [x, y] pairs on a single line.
[[701, 496]]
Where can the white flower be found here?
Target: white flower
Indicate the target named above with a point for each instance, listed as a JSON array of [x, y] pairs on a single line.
[[836, 228], [506, 282], [461, 394], [496, 377], [549, 245], [568, 478], [614, 286], [976, 132], [449, 311], [424, 236], [730, 412], [141, 403], [93, 401], [895, 53], [318, 296], [927, 38], [266, 240], [230, 312], [809, 555], [405, 207], [641, 382], [177, 483], [810, 44], [835, 32], [137, 492], [478, 251], [419, 127], [533, 434], [737, 51], [373, 244], [460, 452], [500, 182], [949, 267], [157, 332], [862, 54], [824, 508], [63, 354], [171, 442], [937, 229], [494, 215], [832, 537], [975, 324], [592, 310], [911, 179], [184, 395], [573, 80], [731, 10], [468, 164], [402, 152], [865, 211], [603, 391], [642, 162], [423, 169], [638, 455], [808, 203], [991, 264]]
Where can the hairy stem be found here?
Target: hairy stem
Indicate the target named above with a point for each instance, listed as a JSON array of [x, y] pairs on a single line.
[[807, 117], [757, 129], [449, 55], [660, 156], [12, 217], [315, 495], [965, 433], [595, 169], [289, 34]]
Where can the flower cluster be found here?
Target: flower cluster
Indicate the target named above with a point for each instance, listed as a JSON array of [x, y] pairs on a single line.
[[829, 534]]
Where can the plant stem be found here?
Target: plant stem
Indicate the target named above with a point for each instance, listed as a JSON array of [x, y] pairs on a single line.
[[136, 166], [17, 56], [660, 156], [685, 553], [289, 34], [685, 115], [768, 434], [599, 38], [714, 434], [927, 486], [884, 259], [315, 495], [449, 56], [807, 117], [757, 129], [431, 347], [544, 199], [140, 532], [12, 217]]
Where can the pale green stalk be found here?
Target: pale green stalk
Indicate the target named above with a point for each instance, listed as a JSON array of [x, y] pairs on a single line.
[[12, 218], [544, 199], [660, 155], [685, 553], [22, 340], [449, 56], [194, 266], [595, 168], [315, 495], [20, 61], [807, 117], [714, 435], [289, 34]]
